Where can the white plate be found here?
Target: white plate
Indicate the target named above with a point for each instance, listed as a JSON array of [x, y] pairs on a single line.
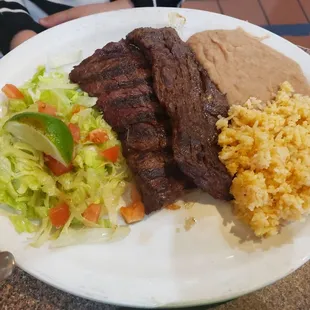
[[159, 264]]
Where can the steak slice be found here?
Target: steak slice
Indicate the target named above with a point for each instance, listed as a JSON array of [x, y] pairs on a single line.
[[121, 77], [193, 104], [100, 86]]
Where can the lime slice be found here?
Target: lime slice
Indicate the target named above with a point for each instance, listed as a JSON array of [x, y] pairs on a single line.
[[44, 133]]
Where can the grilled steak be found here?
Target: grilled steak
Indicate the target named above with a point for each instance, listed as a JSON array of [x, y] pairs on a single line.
[[192, 102], [113, 67], [121, 77]]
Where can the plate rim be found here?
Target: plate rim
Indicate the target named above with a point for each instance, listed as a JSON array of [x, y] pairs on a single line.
[[296, 265], [194, 303]]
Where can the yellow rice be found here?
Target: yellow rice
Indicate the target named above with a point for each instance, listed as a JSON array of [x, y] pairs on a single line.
[[267, 148]]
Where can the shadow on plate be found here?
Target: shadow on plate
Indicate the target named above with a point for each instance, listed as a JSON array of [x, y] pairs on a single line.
[[236, 233]]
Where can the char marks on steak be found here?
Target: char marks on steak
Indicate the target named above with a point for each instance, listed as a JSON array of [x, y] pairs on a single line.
[[121, 77], [192, 102]]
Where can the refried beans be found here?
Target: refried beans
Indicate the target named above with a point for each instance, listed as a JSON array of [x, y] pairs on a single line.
[[243, 67]]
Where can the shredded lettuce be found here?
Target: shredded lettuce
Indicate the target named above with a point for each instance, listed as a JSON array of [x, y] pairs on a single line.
[[87, 102], [86, 235], [31, 189], [17, 105], [22, 224]]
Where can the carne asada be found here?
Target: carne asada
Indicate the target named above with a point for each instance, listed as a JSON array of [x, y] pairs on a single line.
[[193, 103]]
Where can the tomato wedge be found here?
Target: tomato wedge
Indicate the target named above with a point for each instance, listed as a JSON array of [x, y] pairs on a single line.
[[46, 108], [111, 154], [133, 213], [59, 214], [92, 213], [75, 131], [56, 167], [98, 136], [12, 92]]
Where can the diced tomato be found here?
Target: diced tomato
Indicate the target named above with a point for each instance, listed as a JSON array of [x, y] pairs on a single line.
[[111, 154], [173, 207], [98, 136], [56, 167], [59, 214], [92, 213], [133, 213], [12, 92], [135, 195], [77, 108], [46, 108], [75, 131]]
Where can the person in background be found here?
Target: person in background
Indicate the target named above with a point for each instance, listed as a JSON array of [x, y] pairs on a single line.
[[22, 19]]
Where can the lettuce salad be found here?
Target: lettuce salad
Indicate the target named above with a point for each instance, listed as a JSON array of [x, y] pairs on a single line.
[[30, 188]]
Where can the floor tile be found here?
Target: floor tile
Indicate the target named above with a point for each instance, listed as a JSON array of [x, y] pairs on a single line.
[[249, 10], [306, 6], [302, 41], [207, 5], [283, 11]]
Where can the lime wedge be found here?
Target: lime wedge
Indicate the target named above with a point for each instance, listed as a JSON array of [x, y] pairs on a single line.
[[44, 133]]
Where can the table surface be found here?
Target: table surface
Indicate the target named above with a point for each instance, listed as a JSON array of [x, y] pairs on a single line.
[[22, 291]]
